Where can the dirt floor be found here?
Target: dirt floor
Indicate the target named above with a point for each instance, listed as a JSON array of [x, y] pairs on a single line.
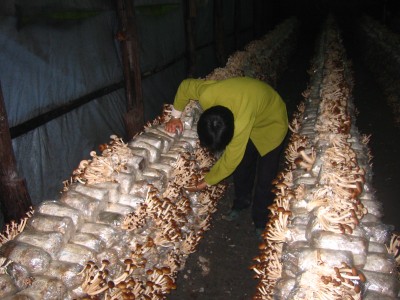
[[219, 269]]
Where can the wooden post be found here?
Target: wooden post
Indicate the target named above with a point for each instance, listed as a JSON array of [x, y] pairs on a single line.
[[134, 118], [190, 29], [219, 35], [14, 197]]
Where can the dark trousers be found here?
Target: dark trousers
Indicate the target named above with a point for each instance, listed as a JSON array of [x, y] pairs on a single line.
[[252, 180]]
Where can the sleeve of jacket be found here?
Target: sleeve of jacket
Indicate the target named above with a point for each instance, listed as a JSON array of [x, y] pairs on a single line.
[[187, 90], [232, 155]]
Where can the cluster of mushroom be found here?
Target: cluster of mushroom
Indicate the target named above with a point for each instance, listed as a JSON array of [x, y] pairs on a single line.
[[4, 262], [299, 153], [166, 228], [336, 204], [324, 201], [104, 167], [14, 228], [263, 59], [268, 266], [394, 249], [336, 283]]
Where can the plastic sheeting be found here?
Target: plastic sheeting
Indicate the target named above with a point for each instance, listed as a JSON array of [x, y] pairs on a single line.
[[46, 156], [44, 67]]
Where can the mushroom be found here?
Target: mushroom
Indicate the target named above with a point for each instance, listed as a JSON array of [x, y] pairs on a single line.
[[394, 247], [276, 227], [108, 285], [296, 141], [307, 158], [281, 187], [13, 228], [4, 262], [189, 244], [130, 267], [295, 125], [299, 162], [96, 282]]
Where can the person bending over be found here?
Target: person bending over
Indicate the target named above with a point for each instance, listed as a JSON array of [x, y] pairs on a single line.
[[246, 120]]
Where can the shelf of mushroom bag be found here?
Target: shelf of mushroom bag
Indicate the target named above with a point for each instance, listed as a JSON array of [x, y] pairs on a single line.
[[325, 236]]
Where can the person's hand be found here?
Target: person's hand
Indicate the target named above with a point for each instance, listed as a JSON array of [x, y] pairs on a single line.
[[199, 187], [173, 125]]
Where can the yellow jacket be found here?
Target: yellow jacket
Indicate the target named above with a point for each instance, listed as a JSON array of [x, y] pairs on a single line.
[[258, 110]]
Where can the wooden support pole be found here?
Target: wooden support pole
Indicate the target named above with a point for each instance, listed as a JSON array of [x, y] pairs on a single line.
[[14, 197], [127, 35], [190, 29], [219, 35]]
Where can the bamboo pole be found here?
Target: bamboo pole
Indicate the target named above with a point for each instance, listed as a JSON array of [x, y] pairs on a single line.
[[134, 118], [14, 197]]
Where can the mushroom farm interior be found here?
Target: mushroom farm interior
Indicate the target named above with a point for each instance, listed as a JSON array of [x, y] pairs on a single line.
[[92, 187]]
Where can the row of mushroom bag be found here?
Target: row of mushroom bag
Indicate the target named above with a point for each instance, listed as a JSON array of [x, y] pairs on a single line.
[[325, 238], [124, 226], [265, 58], [85, 224]]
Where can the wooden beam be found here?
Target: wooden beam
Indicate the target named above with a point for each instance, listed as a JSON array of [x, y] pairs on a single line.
[[127, 35], [14, 197], [42, 119]]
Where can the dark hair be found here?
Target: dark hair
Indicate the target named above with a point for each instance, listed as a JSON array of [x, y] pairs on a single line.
[[215, 128]]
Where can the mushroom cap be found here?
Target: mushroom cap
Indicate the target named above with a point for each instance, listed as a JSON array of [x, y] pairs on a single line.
[[105, 262], [281, 185], [298, 160], [300, 149], [362, 277], [121, 285]]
